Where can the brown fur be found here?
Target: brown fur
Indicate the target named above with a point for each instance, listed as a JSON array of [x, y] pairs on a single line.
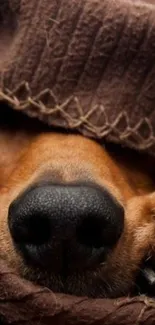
[[29, 157]]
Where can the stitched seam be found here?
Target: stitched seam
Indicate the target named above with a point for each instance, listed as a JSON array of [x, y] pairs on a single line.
[[111, 54], [100, 132], [57, 74], [45, 48], [36, 5], [93, 40], [131, 62], [89, 55], [141, 42]]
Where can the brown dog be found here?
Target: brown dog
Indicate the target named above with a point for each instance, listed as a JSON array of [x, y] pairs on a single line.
[[75, 216]]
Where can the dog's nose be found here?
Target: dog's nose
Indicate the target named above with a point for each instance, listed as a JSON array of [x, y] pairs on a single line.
[[50, 223]]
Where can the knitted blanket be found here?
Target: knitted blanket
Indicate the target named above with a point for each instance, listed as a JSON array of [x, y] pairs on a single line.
[[85, 65]]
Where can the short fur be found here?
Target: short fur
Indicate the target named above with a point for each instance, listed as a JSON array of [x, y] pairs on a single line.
[[27, 157]]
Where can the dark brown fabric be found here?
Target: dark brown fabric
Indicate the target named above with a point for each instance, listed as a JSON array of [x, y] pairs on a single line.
[[23, 303], [82, 64]]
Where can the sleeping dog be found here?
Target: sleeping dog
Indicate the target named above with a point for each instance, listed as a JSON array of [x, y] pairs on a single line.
[[76, 216]]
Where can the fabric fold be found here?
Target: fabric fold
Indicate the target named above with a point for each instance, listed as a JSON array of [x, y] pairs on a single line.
[[23, 303], [86, 65]]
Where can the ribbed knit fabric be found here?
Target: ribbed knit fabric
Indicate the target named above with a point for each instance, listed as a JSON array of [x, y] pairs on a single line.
[[82, 64], [22, 303]]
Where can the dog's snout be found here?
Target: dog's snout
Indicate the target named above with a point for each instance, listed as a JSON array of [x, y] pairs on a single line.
[[48, 221]]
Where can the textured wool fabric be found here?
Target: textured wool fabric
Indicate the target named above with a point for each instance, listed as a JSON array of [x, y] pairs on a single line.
[[23, 303], [87, 65]]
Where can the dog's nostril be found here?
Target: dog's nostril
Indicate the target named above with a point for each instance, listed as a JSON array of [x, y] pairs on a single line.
[[90, 233], [79, 217], [34, 228], [98, 231], [38, 230]]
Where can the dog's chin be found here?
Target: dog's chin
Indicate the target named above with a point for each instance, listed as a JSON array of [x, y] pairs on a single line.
[[91, 283]]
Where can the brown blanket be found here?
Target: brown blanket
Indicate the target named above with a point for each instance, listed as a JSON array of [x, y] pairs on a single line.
[[87, 65], [23, 303], [82, 64]]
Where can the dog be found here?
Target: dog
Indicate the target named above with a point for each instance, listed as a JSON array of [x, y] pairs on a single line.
[[77, 216]]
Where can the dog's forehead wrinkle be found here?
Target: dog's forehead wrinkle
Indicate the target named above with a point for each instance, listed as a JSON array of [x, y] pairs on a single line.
[[59, 173]]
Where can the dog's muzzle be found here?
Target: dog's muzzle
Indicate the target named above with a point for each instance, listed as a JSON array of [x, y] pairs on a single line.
[[65, 228]]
